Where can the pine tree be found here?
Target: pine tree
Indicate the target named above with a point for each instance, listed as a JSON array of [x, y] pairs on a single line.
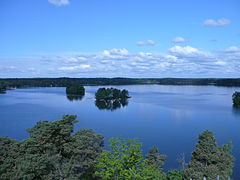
[[53, 151], [236, 99], [154, 158], [209, 160]]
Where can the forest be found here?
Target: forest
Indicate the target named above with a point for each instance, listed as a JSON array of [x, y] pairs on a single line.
[[54, 150], [65, 82]]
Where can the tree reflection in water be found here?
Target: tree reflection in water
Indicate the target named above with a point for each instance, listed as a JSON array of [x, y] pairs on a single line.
[[111, 104], [74, 98], [236, 111]]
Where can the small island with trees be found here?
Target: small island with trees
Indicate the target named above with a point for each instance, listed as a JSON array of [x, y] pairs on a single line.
[[111, 98], [75, 90], [111, 94], [236, 99]]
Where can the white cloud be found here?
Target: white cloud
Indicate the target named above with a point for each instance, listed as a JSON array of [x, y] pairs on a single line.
[[220, 63], [115, 52], [75, 59], [7, 68], [146, 43], [178, 40], [172, 58], [180, 61], [74, 68], [216, 23], [59, 2], [188, 51], [233, 49]]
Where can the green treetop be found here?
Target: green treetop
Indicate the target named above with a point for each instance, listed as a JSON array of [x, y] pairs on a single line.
[[154, 158], [209, 160], [125, 161], [52, 151], [111, 93], [236, 99]]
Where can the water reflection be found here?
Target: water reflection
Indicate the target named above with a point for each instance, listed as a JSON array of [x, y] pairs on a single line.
[[236, 111], [111, 104], [74, 98]]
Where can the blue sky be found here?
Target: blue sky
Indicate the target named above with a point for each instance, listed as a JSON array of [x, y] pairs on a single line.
[[126, 38]]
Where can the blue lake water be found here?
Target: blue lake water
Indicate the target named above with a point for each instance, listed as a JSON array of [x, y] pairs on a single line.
[[169, 117]]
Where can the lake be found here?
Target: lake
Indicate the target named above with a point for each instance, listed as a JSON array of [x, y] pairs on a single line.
[[169, 117]]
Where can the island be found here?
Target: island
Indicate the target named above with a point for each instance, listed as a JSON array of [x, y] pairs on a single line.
[[236, 99], [111, 94], [111, 98], [75, 90]]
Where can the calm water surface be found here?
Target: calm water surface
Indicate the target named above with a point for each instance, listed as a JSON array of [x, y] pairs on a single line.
[[170, 117]]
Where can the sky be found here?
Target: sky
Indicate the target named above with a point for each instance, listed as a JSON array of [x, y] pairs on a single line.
[[120, 38]]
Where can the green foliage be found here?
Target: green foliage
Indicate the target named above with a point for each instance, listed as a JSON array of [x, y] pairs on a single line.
[[75, 90], [125, 161], [110, 94], [175, 175], [209, 160], [9, 152], [2, 86], [52, 151], [154, 158], [236, 99], [228, 148]]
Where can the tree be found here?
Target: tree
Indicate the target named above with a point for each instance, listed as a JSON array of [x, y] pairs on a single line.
[[116, 93], [125, 161], [209, 160], [124, 93], [175, 175], [236, 99], [75, 90], [53, 151], [2, 86], [9, 152], [154, 158], [101, 94]]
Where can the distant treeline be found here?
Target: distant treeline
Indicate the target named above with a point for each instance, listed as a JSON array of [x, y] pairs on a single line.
[[64, 82]]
